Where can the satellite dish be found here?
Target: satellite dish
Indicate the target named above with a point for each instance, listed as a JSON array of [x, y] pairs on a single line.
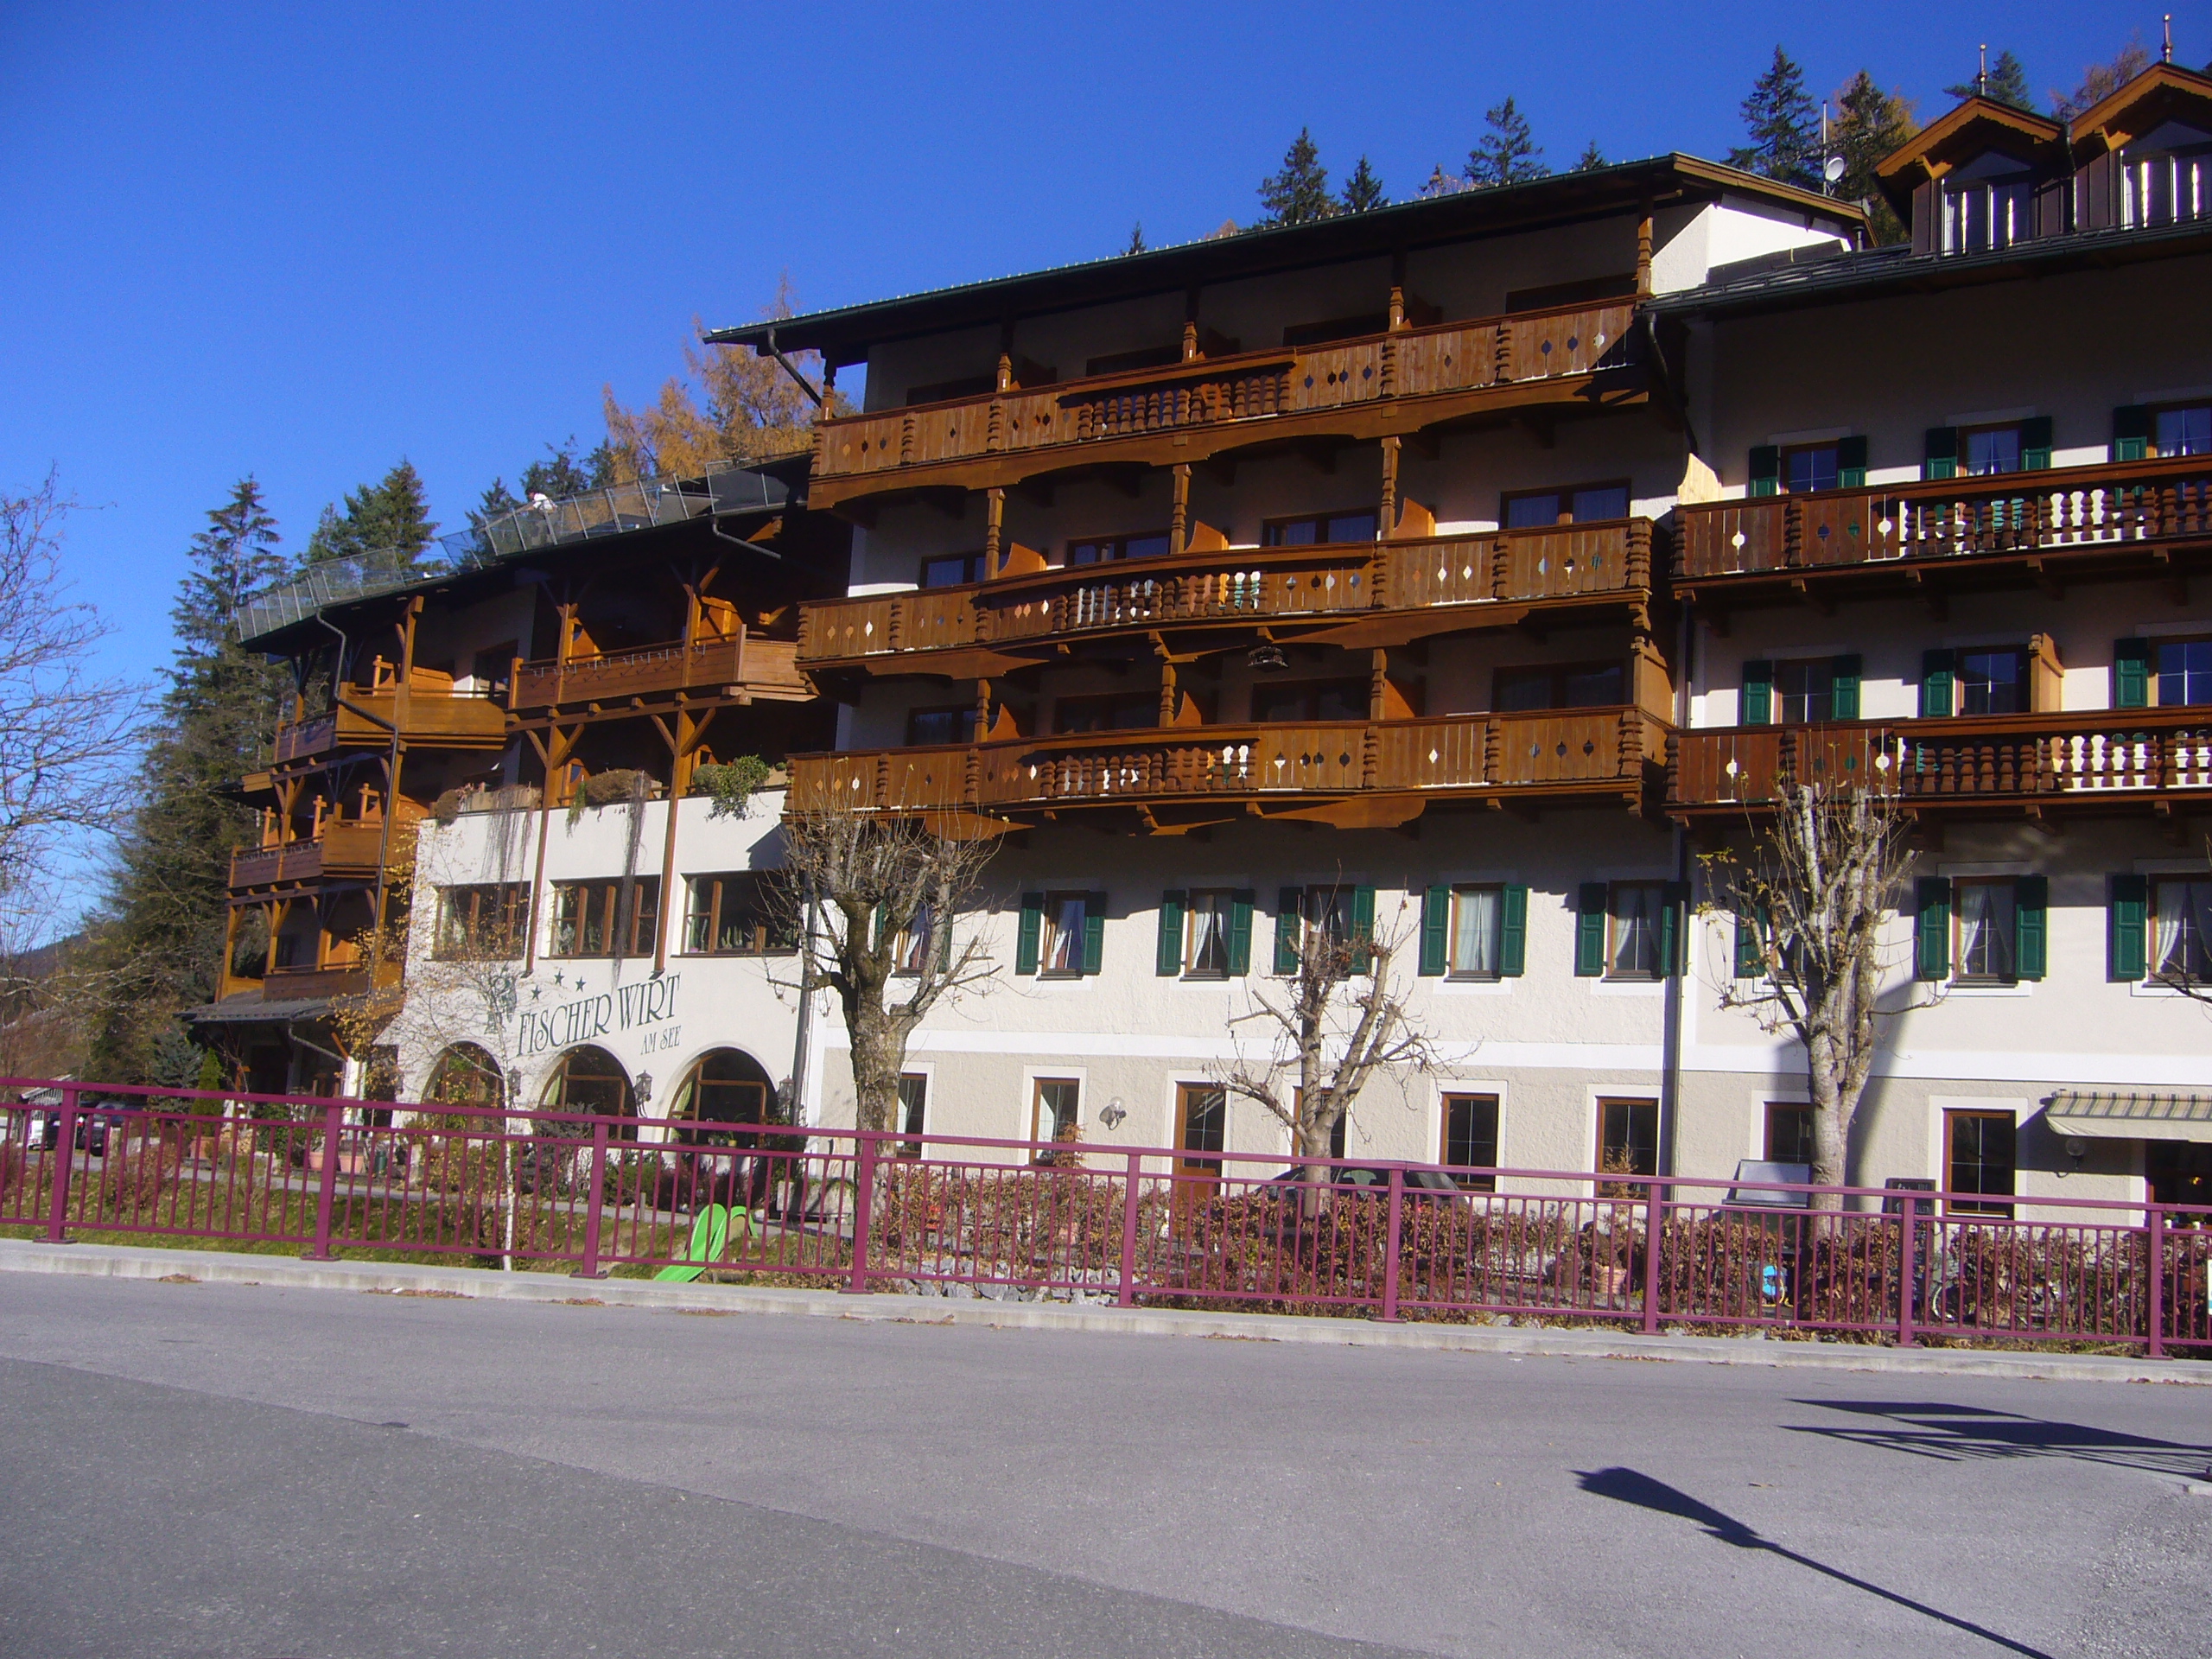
[[1833, 170]]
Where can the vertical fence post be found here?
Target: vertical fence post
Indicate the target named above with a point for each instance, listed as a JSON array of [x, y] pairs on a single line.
[[1390, 1244], [2154, 1279], [863, 1210], [65, 1154], [596, 1198], [1128, 1296], [1654, 1215], [1908, 1269], [327, 1195]]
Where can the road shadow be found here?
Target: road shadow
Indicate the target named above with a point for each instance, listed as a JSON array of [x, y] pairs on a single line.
[[1954, 1433], [1632, 1486]]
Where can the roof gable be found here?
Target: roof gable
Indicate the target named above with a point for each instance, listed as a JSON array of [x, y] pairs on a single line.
[[2161, 93], [1974, 129]]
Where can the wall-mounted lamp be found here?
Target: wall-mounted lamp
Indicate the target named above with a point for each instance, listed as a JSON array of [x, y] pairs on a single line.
[[644, 1090], [2076, 1149], [1114, 1112]]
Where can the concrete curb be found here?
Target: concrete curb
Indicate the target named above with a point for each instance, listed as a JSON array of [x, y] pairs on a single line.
[[287, 1273]]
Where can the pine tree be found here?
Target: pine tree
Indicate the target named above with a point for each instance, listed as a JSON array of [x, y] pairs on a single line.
[[390, 515], [1364, 189], [1300, 194], [2006, 82], [1506, 154], [159, 941], [1136, 240], [494, 502], [561, 474], [1591, 158], [1783, 127], [1871, 125]]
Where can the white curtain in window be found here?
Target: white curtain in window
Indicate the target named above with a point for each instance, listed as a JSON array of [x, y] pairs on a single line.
[[1067, 956], [1634, 949], [1209, 939], [2184, 929], [1986, 930], [1474, 940]]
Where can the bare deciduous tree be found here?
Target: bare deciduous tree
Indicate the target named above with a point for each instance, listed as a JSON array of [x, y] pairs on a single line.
[[1338, 1019], [1822, 876], [875, 903]]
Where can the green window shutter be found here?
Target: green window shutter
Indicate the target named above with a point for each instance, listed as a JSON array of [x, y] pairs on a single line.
[[1751, 962], [1936, 667], [1939, 453], [1673, 928], [1435, 930], [1362, 930], [1240, 930], [1094, 932], [1766, 470], [2130, 674], [1758, 695], [2131, 432], [1590, 930], [1931, 932], [1033, 929], [1513, 933], [1288, 923], [1843, 687], [2035, 444], [1851, 463], [941, 940], [2127, 931], [1170, 955], [2032, 925]]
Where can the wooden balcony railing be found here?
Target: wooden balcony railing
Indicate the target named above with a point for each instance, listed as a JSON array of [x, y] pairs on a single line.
[[352, 851], [363, 720], [1271, 584], [2075, 758], [762, 667], [1251, 386], [1593, 750], [2071, 509]]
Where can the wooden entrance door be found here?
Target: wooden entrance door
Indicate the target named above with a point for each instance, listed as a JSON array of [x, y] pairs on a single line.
[[1201, 1127]]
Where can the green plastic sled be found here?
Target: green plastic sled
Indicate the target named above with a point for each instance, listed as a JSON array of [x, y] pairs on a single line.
[[709, 1233]]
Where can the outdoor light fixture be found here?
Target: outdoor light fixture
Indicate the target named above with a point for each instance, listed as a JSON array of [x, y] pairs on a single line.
[[645, 1087], [1112, 1116], [1266, 659], [2076, 1149]]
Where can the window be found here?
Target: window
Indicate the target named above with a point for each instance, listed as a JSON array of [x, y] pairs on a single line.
[[1988, 940], [1993, 682], [491, 668], [1206, 925], [1788, 1133], [1325, 527], [939, 726], [1309, 919], [911, 950], [1978, 1160], [1062, 934], [1533, 509], [2166, 177], [1573, 685], [2185, 431], [2184, 672], [728, 914], [481, 922], [1471, 1139], [1119, 711], [914, 1111], [1477, 919], [952, 570], [1053, 1112], [590, 919], [1985, 451], [1628, 1140], [1294, 701], [1201, 1127], [1065, 915], [2182, 951], [1803, 690], [1987, 205], [1110, 548], [1634, 918], [1809, 466]]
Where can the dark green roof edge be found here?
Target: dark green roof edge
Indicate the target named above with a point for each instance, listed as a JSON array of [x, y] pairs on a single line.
[[844, 333]]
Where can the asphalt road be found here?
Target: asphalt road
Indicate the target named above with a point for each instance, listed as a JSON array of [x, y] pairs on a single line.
[[191, 1470]]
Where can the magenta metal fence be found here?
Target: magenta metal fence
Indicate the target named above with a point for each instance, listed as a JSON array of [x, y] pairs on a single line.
[[545, 1191]]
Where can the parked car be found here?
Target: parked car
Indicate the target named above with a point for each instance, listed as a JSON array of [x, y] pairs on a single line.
[[1376, 1178]]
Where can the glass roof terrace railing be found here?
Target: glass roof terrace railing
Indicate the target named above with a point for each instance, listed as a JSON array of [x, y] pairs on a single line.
[[736, 487]]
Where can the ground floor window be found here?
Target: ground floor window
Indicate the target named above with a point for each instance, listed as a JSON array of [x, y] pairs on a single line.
[[1054, 1103], [1789, 1132], [1201, 1127], [1628, 1139], [465, 1076], [1471, 1139], [913, 1110], [589, 1079], [2178, 1172], [1978, 1161]]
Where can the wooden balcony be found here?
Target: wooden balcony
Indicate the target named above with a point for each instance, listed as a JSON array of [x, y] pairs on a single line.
[[1353, 773], [343, 851], [743, 666], [2120, 517], [1363, 388], [2124, 759], [284, 984], [363, 720], [1362, 594]]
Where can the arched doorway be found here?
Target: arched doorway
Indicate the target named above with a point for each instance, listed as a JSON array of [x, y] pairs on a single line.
[[465, 1075], [589, 1079], [723, 1086], [722, 1090]]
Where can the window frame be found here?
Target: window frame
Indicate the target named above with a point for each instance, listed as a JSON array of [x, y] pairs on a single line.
[[1967, 436], [1120, 546], [1786, 452], [1655, 921], [1037, 1088], [1559, 673], [1565, 494], [1452, 970], [1824, 667], [1311, 690], [1799, 1140], [969, 562], [1224, 912], [2154, 964], [765, 941], [958, 711], [603, 893], [1635, 1105], [2022, 683], [2009, 886], [1050, 932], [511, 898], [913, 1113], [1271, 530], [1475, 1100], [2152, 446], [1977, 1203], [2157, 675], [1085, 700]]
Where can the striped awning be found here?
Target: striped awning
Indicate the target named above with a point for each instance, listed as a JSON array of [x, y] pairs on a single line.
[[2127, 1115]]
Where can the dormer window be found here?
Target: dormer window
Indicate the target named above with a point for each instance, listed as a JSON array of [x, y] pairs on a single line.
[[2166, 177], [1988, 204]]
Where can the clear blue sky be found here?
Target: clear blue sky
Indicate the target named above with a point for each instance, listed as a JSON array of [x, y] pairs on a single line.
[[302, 241]]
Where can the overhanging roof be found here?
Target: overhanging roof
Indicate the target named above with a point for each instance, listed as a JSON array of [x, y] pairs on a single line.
[[2126, 1114], [845, 335], [249, 1009]]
